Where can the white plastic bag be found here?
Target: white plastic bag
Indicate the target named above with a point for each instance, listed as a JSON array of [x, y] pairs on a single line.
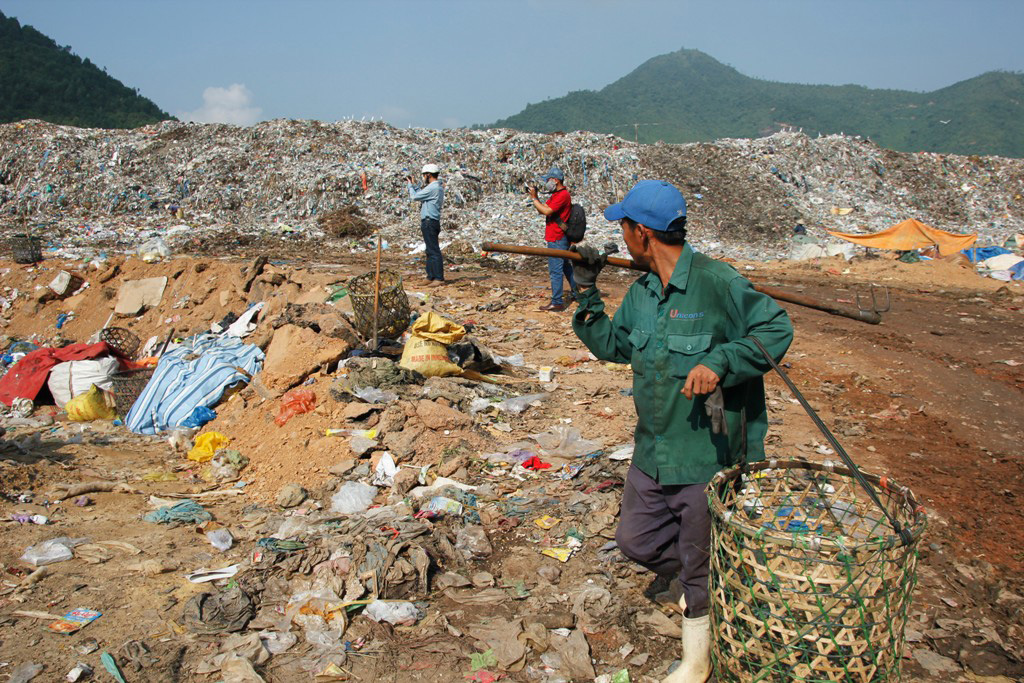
[[404, 613], [352, 497], [49, 552], [154, 250]]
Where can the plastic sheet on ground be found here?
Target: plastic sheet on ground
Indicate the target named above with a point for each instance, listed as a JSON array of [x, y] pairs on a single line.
[[194, 374]]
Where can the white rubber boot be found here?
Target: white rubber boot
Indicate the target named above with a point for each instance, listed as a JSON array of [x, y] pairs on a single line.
[[695, 666]]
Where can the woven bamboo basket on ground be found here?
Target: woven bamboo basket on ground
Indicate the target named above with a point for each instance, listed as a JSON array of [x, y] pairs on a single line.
[[392, 306], [26, 249], [128, 385], [122, 341], [808, 580]]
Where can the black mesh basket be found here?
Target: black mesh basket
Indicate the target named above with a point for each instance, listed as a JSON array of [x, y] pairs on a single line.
[[128, 385], [121, 341], [26, 249]]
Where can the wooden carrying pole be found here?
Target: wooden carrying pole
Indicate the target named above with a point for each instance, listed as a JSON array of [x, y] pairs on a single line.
[[870, 317], [376, 296]]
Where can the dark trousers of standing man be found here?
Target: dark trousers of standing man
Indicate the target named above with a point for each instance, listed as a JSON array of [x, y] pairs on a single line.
[[431, 228], [667, 529]]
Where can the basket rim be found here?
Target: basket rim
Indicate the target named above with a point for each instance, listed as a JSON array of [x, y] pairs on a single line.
[[915, 527], [369, 275]]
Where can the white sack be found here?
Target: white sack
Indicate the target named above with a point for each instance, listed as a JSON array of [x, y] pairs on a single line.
[[72, 378]]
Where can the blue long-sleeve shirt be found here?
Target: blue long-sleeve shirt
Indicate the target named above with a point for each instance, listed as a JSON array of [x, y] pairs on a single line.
[[430, 197]]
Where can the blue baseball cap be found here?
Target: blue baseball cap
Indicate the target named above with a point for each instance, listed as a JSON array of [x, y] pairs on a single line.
[[654, 203], [555, 172]]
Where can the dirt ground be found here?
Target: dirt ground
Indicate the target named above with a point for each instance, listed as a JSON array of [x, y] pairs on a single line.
[[932, 397]]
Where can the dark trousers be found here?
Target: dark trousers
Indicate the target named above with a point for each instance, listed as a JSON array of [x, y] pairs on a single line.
[[557, 269], [667, 529], [431, 228]]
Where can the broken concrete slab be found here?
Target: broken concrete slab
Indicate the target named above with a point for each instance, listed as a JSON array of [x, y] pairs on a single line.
[[135, 296]]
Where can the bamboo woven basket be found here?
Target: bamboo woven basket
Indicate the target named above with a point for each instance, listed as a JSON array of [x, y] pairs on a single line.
[[392, 307], [808, 581]]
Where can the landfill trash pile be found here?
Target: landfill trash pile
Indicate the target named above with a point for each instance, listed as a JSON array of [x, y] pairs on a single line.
[[298, 179], [208, 471]]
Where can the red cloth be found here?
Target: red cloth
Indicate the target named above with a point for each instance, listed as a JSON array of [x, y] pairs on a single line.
[[561, 202], [29, 374], [536, 463]]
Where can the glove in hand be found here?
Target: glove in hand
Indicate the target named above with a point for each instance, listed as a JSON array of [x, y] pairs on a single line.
[[714, 406], [587, 270]]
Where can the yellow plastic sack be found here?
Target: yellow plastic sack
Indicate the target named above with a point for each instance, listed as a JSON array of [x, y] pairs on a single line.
[[94, 404], [434, 327], [426, 351], [207, 446], [428, 357]]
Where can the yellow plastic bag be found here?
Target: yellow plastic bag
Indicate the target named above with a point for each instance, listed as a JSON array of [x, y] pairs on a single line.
[[207, 446], [426, 351], [94, 404]]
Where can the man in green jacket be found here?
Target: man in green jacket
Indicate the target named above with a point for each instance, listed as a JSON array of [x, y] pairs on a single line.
[[698, 389]]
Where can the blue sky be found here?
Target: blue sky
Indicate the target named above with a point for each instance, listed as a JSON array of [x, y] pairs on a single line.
[[446, 63]]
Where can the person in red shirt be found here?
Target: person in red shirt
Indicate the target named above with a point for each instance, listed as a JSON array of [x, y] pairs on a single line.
[[556, 213]]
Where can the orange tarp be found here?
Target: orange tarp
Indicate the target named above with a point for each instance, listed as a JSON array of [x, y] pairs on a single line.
[[912, 234]]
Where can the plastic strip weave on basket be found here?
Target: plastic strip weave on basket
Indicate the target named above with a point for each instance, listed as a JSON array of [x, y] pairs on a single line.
[[808, 581]]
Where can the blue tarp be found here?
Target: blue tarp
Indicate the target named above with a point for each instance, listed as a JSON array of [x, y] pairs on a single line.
[[194, 374], [1017, 271], [976, 254]]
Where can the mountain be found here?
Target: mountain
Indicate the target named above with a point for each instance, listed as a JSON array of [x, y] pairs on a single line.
[[687, 96], [42, 80]]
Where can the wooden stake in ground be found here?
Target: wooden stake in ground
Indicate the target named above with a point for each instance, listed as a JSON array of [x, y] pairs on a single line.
[[376, 296]]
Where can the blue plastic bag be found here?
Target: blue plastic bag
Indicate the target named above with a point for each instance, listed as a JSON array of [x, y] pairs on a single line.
[[200, 416]]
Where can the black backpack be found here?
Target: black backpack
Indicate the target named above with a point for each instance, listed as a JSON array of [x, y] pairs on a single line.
[[576, 227]]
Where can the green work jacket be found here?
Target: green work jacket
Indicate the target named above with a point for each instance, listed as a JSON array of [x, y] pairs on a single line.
[[700, 317]]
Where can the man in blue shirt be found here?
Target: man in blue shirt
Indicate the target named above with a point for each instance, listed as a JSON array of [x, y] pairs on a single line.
[[431, 197]]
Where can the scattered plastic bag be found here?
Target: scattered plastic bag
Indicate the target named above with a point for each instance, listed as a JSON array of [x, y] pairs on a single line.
[[511, 406], [25, 672], [154, 250], [22, 407], [48, 552], [295, 402], [277, 642], [353, 497], [226, 465], [220, 539], [472, 542], [200, 416], [375, 395], [565, 442], [207, 446], [94, 404], [398, 613], [386, 470]]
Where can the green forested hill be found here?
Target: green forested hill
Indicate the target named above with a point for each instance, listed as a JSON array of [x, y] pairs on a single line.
[[41, 80], [687, 96]]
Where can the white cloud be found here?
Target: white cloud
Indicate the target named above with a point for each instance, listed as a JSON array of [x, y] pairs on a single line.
[[225, 105]]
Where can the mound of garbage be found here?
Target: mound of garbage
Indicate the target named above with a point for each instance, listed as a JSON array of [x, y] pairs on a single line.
[[189, 183]]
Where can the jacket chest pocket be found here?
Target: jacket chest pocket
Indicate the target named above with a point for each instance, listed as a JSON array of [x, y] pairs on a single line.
[[686, 351], [638, 342]]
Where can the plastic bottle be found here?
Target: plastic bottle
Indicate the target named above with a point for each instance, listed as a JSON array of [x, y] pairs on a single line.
[[366, 433]]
